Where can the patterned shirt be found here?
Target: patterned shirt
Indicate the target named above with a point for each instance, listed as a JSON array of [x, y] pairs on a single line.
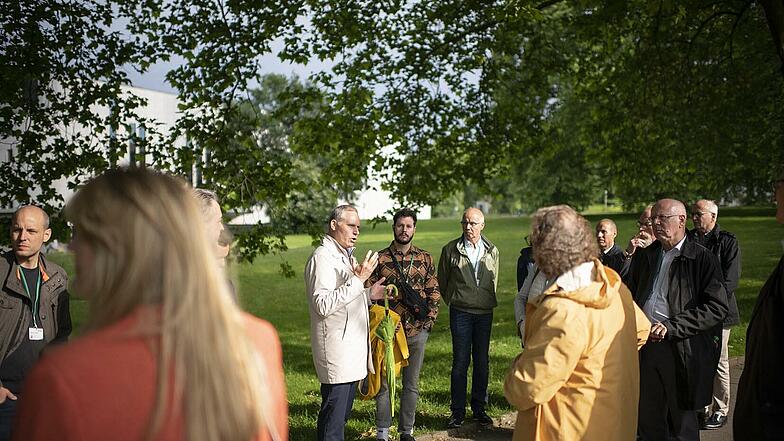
[[417, 266]]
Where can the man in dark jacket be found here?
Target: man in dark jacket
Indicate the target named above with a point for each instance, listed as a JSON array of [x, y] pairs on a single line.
[[759, 408], [34, 307], [610, 254], [525, 264], [724, 246], [678, 284]]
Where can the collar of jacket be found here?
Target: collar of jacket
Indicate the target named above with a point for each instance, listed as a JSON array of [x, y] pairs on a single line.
[[688, 250], [331, 244], [596, 294], [613, 249], [14, 279], [411, 250], [461, 245], [713, 234]]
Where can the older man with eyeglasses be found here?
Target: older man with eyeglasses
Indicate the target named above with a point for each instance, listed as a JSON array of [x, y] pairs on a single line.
[[724, 245], [679, 286], [644, 236], [468, 277]]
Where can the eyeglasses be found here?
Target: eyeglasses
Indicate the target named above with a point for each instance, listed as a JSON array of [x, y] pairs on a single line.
[[663, 217], [470, 224], [698, 214], [647, 223]]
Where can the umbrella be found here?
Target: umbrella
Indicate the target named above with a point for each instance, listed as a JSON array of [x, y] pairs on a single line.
[[386, 332]]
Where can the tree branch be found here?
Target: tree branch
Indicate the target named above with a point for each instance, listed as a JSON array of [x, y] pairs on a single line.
[[774, 14], [735, 26], [546, 4], [702, 27]]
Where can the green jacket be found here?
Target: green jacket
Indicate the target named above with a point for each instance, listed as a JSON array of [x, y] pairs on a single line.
[[456, 279]]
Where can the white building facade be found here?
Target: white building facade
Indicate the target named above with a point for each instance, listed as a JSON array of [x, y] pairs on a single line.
[[162, 109]]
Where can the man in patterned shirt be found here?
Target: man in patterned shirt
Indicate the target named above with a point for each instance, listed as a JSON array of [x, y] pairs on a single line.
[[402, 261]]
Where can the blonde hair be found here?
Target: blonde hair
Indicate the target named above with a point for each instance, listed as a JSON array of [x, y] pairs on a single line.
[[149, 248]]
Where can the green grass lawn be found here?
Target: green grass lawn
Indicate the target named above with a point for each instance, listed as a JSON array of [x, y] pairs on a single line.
[[264, 292]]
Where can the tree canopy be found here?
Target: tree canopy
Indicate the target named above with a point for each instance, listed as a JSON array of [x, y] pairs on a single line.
[[533, 102]]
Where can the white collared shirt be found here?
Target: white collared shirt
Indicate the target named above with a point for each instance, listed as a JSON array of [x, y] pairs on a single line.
[[475, 254], [657, 308]]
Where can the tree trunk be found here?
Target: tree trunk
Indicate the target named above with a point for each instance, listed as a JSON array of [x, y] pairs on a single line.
[[774, 14]]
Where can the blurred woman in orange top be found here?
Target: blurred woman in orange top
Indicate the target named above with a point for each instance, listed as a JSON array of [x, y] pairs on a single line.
[[166, 354]]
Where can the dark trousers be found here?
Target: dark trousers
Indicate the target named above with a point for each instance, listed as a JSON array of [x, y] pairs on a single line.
[[470, 339], [660, 417], [336, 403], [7, 411]]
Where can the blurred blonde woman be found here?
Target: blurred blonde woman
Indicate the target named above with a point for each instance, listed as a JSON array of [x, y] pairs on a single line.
[[165, 355]]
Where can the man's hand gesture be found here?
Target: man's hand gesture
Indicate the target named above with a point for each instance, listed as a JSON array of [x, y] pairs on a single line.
[[366, 268]]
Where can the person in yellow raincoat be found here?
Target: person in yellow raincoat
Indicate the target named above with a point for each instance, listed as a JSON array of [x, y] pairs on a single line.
[[578, 376]]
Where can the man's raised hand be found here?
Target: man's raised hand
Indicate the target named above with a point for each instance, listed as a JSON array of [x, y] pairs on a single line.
[[366, 268]]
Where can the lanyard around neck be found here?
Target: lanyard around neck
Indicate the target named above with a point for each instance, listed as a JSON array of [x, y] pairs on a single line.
[[403, 273], [37, 294]]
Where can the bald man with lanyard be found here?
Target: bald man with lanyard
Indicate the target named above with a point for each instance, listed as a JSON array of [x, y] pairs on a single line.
[[34, 307]]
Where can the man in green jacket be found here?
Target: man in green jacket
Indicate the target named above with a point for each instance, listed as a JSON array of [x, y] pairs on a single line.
[[468, 277]]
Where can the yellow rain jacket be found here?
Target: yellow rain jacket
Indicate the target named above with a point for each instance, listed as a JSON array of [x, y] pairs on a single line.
[[578, 376], [373, 380]]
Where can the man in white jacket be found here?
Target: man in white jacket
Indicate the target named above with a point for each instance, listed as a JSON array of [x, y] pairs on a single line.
[[334, 282]]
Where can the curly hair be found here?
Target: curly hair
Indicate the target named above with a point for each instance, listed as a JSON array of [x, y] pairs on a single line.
[[561, 239]]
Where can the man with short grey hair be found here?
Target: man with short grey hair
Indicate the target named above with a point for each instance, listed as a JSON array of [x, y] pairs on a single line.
[[468, 277], [35, 310], [338, 304], [724, 245], [679, 286]]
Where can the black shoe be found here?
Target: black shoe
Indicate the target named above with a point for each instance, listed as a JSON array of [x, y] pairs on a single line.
[[483, 418], [716, 421], [455, 421], [702, 420], [406, 437]]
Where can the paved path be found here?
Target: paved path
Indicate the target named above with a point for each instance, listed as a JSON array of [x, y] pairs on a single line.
[[503, 427]]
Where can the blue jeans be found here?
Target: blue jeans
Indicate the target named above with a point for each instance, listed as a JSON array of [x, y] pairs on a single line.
[[336, 403], [470, 339]]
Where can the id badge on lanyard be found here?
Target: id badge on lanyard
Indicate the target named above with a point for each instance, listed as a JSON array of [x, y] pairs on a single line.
[[35, 333]]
